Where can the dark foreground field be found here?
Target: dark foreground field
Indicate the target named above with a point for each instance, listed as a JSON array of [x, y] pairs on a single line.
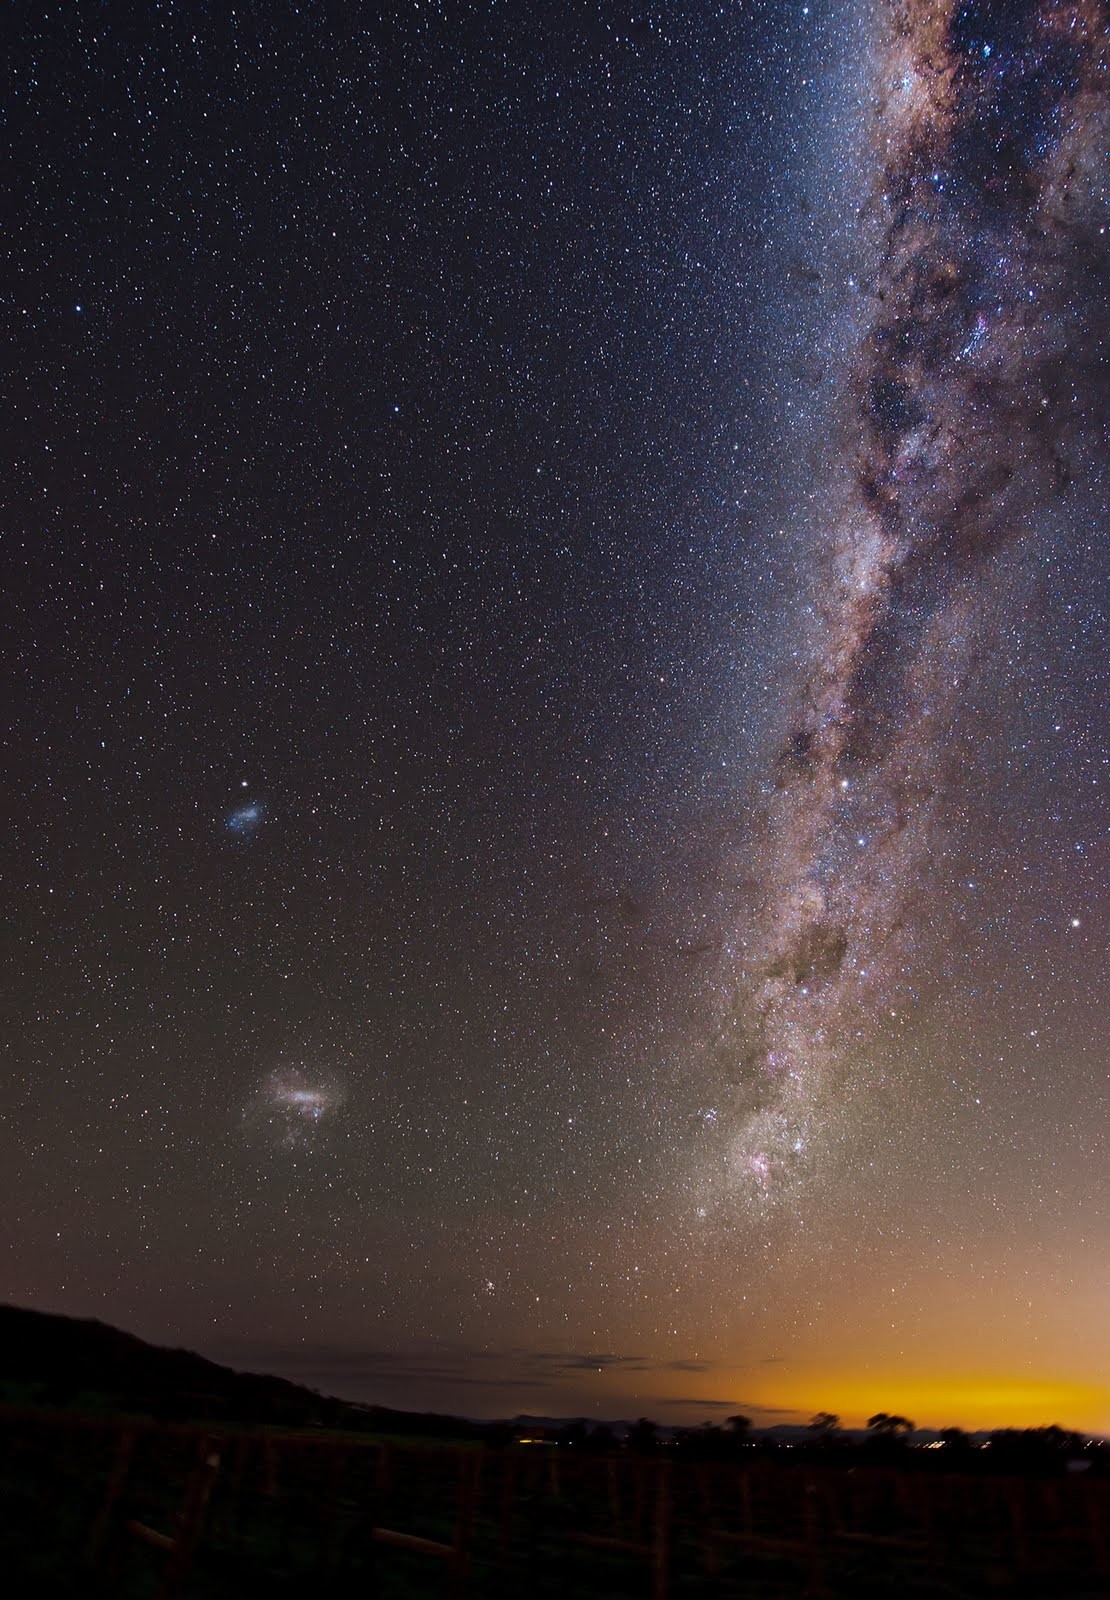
[[101, 1507]]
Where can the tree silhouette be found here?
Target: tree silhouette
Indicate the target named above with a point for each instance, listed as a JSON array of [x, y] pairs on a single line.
[[889, 1426], [1032, 1449], [705, 1443], [741, 1427], [643, 1436], [825, 1424]]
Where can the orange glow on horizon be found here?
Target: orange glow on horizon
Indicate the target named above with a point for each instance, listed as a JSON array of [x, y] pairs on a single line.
[[966, 1400], [932, 1400]]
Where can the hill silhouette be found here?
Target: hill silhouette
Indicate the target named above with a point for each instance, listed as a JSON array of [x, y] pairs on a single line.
[[79, 1363]]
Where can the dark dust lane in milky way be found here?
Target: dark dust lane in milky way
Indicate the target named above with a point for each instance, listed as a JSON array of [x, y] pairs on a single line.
[[975, 387]]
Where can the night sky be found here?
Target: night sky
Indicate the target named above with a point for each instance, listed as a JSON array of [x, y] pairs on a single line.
[[556, 682]]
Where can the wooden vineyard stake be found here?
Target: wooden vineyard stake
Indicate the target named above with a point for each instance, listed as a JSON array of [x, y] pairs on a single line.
[[1097, 1510], [815, 1566], [616, 1519], [234, 1512], [125, 1446], [656, 1549], [469, 1489], [334, 1471], [641, 1488], [806, 1551], [180, 1546], [653, 1515], [385, 1465], [927, 1522], [505, 1520], [662, 1542], [1019, 1527], [456, 1555], [707, 1502], [746, 1501], [269, 1469], [888, 1496]]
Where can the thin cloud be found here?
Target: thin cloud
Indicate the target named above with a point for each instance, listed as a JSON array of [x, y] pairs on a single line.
[[426, 1375]]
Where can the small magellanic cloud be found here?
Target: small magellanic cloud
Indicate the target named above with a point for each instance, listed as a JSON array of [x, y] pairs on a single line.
[[244, 820]]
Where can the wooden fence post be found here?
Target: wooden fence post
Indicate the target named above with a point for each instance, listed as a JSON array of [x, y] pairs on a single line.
[[198, 1490], [1098, 1515], [1018, 1507], [616, 1520], [125, 1446], [469, 1484], [746, 1499], [661, 1551], [505, 1521], [815, 1566], [337, 1459]]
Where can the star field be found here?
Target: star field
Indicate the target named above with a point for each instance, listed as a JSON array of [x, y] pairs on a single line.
[[556, 749]]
